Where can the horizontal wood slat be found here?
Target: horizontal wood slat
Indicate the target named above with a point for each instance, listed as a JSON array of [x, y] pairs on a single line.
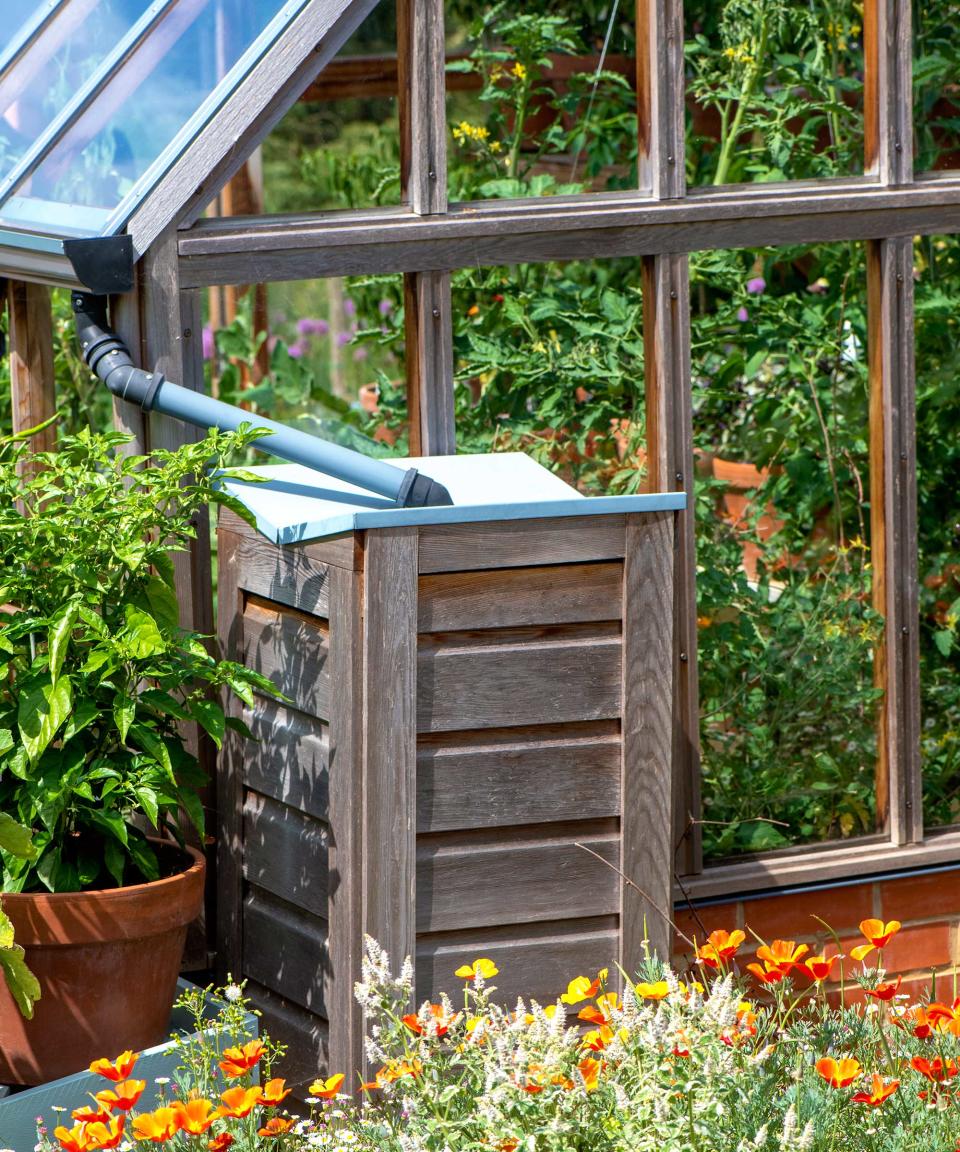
[[502, 882], [305, 1035], [512, 684], [291, 649], [537, 967], [285, 950], [546, 775], [285, 852], [288, 758], [520, 543], [286, 575], [556, 594], [341, 551]]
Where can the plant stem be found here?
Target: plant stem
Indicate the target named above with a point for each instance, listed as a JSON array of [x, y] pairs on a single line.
[[747, 89]]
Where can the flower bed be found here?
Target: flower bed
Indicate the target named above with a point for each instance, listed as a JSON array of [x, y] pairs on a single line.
[[713, 1058]]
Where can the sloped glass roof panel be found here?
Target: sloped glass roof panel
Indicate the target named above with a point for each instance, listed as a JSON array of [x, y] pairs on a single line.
[[58, 56], [160, 88]]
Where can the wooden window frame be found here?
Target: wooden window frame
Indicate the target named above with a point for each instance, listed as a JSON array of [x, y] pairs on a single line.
[[426, 239]]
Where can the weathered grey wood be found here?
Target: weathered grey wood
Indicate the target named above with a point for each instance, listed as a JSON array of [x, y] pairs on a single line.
[[30, 328], [428, 322], [557, 594], [346, 822], [520, 543], [565, 228], [255, 106], [499, 684], [893, 536], [305, 1035], [888, 90], [421, 76], [537, 966], [648, 660], [125, 317], [291, 648], [227, 825], [499, 779], [670, 467], [288, 759], [661, 85], [390, 691], [506, 880], [339, 551], [285, 950], [286, 575], [285, 852]]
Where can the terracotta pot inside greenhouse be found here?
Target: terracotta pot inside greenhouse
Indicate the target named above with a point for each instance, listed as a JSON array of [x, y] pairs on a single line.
[[107, 962]]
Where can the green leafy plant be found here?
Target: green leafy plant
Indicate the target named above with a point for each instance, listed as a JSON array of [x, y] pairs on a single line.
[[96, 673]]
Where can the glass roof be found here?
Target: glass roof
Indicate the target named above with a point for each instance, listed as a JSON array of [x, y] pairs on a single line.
[[98, 98]]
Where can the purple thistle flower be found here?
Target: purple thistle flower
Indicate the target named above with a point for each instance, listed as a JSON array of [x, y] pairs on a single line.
[[349, 307], [360, 353], [310, 327], [344, 338], [295, 351], [756, 285], [385, 307], [743, 315], [209, 344]]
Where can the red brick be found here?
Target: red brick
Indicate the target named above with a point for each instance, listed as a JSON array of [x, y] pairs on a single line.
[[712, 917], [913, 949], [921, 897], [792, 917]]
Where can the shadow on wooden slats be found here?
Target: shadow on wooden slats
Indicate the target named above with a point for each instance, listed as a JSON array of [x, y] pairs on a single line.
[[291, 648], [285, 948], [285, 852], [292, 767]]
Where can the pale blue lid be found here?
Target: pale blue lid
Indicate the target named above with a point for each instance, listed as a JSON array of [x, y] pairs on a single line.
[[297, 503]]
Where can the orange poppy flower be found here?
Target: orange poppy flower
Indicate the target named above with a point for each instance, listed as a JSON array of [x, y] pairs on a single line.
[[944, 1014], [878, 933], [483, 967], [238, 1061], [659, 990], [158, 1126], [936, 1070], [508, 1145], [276, 1126], [115, 1070], [533, 1081], [838, 1073], [598, 1039], [88, 1115], [220, 1143], [589, 1070], [239, 1102], [123, 1097], [782, 954], [818, 968], [396, 1069], [879, 1091], [327, 1089], [73, 1139], [583, 988], [105, 1135], [438, 1022], [885, 991], [862, 951], [196, 1116], [720, 947], [917, 1021], [767, 974], [274, 1092]]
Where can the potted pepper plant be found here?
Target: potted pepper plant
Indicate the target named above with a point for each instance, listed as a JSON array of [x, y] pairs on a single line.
[[97, 679]]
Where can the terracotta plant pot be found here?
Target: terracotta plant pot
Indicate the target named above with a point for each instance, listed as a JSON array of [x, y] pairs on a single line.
[[107, 962], [738, 505]]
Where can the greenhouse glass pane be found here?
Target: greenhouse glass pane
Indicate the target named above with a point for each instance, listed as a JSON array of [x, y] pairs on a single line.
[[150, 98], [54, 66]]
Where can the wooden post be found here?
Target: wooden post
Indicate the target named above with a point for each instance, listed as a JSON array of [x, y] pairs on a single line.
[[428, 318], [31, 361]]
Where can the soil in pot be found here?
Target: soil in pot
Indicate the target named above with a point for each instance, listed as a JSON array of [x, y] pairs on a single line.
[[107, 962]]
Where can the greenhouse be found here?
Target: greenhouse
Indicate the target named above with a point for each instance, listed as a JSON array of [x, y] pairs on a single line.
[[479, 483]]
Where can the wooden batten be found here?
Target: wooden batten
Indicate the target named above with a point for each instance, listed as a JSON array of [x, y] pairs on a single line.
[[33, 397]]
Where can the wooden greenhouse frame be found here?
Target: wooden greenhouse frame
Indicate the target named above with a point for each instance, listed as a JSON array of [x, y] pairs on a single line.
[[181, 255]]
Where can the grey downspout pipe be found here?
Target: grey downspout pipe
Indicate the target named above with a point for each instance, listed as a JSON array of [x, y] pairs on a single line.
[[107, 356]]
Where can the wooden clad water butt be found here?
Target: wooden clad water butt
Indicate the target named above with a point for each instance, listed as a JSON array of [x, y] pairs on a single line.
[[475, 743]]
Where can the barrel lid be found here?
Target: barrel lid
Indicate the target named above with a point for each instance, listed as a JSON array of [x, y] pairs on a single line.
[[294, 503]]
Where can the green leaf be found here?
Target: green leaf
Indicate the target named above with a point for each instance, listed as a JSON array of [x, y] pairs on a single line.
[[147, 799], [124, 713], [141, 635], [163, 604], [23, 985], [109, 821], [16, 839], [85, 713], [115, 860], [153, 746], [210, 717], [194, 809], [944, 642], [144, 857], [42, 710], [6, 740], [58, 638]]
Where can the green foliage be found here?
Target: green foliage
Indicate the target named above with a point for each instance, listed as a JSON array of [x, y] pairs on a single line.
[[96, 672]]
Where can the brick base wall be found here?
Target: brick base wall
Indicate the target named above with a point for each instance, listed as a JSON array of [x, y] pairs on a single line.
[[926, 903]]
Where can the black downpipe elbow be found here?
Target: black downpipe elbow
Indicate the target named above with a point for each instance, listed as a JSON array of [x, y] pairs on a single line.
[[107, 356]]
